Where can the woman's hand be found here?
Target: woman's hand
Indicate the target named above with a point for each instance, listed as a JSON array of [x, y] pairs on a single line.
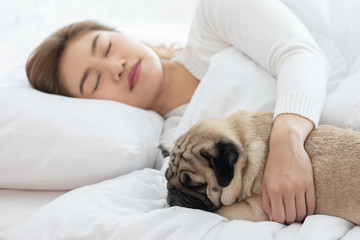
[[288, 193]]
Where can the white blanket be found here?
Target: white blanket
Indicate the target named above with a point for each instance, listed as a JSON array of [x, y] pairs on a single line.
[[133, 206]]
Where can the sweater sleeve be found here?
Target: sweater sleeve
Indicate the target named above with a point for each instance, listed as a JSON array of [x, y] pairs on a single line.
[[271, 35]]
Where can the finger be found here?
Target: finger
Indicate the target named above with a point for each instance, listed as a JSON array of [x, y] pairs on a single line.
[[266, 202], [290, 208], [277, 208], [310, 200], [300, 202]]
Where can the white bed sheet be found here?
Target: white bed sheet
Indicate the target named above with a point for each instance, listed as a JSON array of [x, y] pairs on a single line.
[[133, 206], [16, 206]]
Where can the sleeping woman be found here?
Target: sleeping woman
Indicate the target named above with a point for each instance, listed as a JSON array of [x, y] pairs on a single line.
[[89, 60]]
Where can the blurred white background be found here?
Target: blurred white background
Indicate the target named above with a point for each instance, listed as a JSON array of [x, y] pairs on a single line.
[[25, 23]]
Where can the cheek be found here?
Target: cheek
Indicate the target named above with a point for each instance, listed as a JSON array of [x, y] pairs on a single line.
[[154, 69], [153, 58], [151, 79]]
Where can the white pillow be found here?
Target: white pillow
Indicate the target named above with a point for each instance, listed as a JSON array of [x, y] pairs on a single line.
[[53, 142]]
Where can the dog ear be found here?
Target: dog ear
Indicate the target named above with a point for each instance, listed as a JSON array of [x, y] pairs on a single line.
[[166, 149], [223, 163]]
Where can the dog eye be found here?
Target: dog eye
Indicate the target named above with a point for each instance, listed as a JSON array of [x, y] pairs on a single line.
[[198, 186], [187, 181], [205, 154]]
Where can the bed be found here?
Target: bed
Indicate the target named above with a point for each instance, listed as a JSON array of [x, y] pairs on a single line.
[[90, 169]]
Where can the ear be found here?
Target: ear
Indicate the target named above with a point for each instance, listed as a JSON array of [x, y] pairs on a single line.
[[166, 149], [223, 163]]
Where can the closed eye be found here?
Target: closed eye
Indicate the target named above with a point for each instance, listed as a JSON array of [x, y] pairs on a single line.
[[108, 49], [97, 82]]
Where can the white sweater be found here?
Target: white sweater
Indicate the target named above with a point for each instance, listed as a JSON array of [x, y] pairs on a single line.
[[270, 34]]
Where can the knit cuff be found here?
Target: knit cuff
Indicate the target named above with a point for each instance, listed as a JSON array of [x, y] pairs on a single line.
[[299, 103]]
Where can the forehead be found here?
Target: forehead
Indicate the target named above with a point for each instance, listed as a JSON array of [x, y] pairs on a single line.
[[80, 44], [73, 62]]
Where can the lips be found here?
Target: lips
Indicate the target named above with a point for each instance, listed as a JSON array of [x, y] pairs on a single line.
[[134, 74]]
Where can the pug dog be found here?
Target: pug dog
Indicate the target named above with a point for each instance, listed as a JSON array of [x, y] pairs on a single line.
[[218, 166]]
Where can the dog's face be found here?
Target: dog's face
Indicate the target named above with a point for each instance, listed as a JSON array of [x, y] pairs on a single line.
[[203, 163]]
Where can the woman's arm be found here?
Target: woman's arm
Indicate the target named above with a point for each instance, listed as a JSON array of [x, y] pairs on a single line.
[[288, 193], [270, 34]]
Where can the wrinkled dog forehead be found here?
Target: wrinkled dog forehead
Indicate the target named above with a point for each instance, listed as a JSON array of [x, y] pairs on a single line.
[[183, 155], [199, 141], [175, 152]]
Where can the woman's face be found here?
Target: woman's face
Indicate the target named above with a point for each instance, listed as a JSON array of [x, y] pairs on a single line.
[[109, 65]]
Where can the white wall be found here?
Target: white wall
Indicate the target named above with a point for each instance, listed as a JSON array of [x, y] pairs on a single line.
[[24, 23]]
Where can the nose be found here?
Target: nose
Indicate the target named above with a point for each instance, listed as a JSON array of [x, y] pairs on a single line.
[[114, 68], [118, 69]]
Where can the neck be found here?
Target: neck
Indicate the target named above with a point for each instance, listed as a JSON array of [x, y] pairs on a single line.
[[178, 87]]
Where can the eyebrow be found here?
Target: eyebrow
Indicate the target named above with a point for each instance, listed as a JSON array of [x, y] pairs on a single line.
[[93, 50]]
